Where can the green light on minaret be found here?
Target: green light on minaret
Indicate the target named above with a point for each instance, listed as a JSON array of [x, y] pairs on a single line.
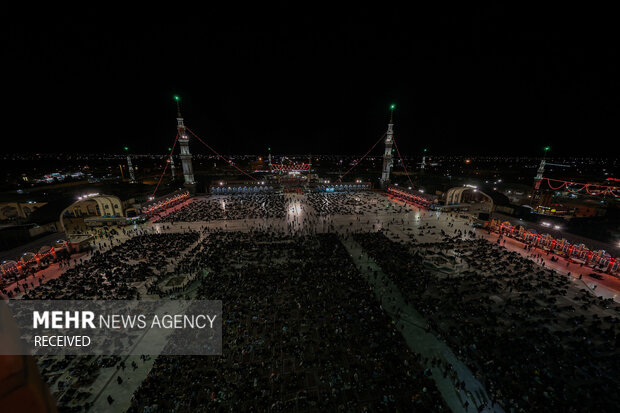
[[126, 148], [169, 149], [425, 149], [546, 148], [177, 98], [392, 107]]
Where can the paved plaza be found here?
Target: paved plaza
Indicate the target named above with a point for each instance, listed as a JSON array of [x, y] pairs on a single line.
[[290, 215]]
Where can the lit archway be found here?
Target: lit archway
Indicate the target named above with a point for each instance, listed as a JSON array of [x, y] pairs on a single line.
[[107, 205], [454, 196]]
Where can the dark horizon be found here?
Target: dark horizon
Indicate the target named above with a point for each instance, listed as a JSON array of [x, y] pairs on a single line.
[[466, 82]]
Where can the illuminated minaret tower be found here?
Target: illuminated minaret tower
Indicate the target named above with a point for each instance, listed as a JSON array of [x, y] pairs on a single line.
[[186, 157], [541, 169], [173, 168], [132, 174], [387, 155], [536, 194], [539, 174]]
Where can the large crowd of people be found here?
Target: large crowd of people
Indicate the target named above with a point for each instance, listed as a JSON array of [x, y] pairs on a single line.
[[230, 207], [109, 272], [304, 332], [351, 203], [335, 203], [301, 333], [537, 342], [108, 275]]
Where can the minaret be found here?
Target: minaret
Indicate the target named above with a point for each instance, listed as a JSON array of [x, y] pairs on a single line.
[[269, 149], [172, 168], [536, 195], [186, 157], [132, 175], [387, 155], [539, 174]]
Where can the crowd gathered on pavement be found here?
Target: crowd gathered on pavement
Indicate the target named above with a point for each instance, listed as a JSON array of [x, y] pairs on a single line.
[[301, 332], [109, 272], [537, 342], [304, 332], [230, 207]]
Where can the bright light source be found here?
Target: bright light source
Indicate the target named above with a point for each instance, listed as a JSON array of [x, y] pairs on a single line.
[[126, 148], [392, 106], [556, 227], [177, 98]]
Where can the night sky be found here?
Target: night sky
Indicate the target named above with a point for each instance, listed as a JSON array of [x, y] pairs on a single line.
[[496, 81]]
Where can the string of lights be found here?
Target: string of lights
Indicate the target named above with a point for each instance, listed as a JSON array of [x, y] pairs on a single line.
[[215, 152], [604, 189], [360, 159], [402, 161], [166, 166]]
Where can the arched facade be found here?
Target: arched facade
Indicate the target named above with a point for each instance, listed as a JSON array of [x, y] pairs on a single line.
[[455, 195], [104, 206], [241, 189]]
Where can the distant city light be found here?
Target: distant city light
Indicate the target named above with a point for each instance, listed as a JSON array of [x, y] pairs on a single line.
[[176, 98], [393, 106]]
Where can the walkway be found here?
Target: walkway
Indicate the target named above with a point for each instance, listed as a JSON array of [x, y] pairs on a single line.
[[412, 326]]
